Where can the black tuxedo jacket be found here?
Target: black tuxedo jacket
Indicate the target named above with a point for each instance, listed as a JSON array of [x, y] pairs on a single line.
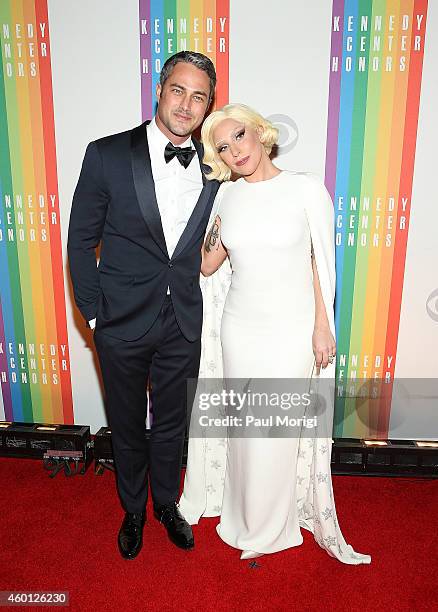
[[115, 204]]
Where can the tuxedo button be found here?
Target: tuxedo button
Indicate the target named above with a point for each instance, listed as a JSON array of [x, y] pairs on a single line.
[[170, 264]]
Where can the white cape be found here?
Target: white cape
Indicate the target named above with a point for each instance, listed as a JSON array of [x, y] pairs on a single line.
[[206, 462]]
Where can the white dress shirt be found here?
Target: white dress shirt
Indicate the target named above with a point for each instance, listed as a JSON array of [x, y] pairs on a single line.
[[177, 188]]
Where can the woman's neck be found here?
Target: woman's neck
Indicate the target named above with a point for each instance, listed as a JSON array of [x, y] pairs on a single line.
[[264, 171]]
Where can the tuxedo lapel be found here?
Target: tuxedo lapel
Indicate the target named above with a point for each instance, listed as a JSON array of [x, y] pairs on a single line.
[[200, 154], [201, 204], [144, 184]]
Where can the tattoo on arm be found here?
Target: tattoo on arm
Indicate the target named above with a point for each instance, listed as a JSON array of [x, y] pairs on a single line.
[[212, 241]]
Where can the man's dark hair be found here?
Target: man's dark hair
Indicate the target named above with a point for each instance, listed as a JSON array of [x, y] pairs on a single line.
[[196, 59]]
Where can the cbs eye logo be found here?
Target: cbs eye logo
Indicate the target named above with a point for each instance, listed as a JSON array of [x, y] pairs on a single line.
[[432, 305], [287, 133]]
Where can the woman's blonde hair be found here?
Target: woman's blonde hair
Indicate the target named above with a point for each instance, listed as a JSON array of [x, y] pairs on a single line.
[[239, 112]]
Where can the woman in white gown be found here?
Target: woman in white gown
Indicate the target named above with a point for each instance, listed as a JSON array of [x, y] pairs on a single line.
[[274, 229]]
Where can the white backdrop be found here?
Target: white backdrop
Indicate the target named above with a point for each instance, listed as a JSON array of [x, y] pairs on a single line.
[[279, 64]]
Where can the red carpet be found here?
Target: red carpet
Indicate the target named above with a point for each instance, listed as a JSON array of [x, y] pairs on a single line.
[[61, 534]]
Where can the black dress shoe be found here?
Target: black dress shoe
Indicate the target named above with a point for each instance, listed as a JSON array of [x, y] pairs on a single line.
[[178, 529], [131, 534]]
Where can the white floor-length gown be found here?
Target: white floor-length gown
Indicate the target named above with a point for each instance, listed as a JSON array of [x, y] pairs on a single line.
[[258, 323]]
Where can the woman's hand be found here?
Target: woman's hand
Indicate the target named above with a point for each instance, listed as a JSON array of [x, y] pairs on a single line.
[[324, 347]]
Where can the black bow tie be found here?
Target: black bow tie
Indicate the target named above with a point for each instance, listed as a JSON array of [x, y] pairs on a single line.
[[184, 154]]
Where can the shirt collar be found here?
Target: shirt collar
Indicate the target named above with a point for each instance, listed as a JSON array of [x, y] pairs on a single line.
[[159, 139]]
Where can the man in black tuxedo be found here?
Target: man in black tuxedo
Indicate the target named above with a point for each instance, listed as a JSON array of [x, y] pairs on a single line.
[[143, 196]]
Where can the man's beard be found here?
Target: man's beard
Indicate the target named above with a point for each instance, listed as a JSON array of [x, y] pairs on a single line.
[[181, 130]]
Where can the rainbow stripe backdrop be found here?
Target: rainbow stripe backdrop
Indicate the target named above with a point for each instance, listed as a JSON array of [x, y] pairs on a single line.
[[34, 356], [375, 79], [169, 26]]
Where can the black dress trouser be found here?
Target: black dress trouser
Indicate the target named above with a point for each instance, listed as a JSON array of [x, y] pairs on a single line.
[[165, 355]]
